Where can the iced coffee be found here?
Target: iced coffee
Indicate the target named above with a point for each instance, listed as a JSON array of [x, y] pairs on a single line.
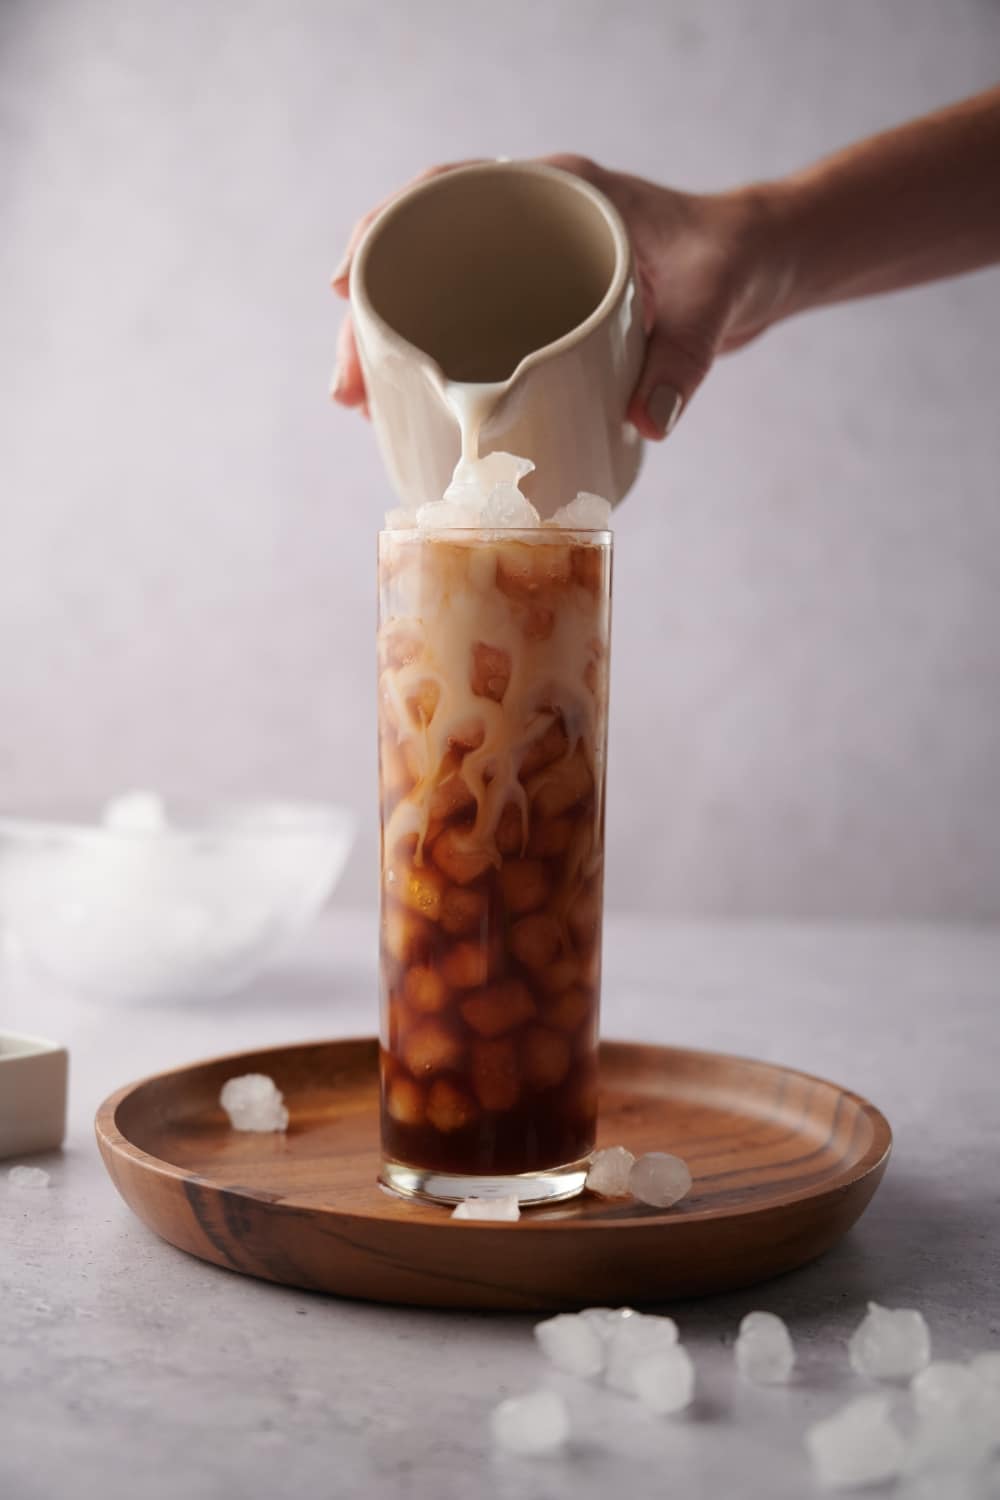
[[493, 699]]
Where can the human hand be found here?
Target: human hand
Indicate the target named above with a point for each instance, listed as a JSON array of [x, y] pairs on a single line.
[[703, 285]]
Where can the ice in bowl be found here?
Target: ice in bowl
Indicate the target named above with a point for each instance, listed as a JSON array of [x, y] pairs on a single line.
[[149, 903]]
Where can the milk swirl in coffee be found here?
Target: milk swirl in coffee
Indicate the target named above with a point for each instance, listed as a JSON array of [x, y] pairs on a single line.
[[493, 660]]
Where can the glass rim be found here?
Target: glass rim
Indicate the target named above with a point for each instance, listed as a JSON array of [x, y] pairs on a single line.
[[494, 534]]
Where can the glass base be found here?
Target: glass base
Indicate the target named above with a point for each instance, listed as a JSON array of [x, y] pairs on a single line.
[[548, 1185]]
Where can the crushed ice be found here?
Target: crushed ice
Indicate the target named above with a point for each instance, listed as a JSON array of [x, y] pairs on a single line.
[[764, 1350], [958, 1417], [635, 1339], [504, 1207], [609, 1172], [890, 1343], [485, 495], [949, 1432], [857, 1446], [28, 1177], [656, 1178], [572, 1343], [586, 513], [660, 1179], [532, 1424], [664, 1381], [253, 1101], [605, 1320]]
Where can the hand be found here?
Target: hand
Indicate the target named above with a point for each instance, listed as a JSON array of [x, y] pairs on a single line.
[[702, 293]]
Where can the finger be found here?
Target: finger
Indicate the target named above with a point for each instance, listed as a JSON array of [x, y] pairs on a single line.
[[670, 376], [647, 298], [570, 161], [341, 276], [348, 385]]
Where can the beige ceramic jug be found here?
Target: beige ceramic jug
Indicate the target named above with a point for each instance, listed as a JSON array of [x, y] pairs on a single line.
[[495, 307]]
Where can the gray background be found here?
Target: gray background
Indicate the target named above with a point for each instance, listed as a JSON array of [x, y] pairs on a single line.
[[808, 612]]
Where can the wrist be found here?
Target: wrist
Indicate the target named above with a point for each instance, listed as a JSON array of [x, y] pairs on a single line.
[[769, 286]]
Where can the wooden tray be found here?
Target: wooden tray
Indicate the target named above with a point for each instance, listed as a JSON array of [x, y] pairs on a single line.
[[783, 1165]]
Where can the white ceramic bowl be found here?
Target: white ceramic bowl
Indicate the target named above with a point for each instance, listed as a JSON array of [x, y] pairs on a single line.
[[190, 910], [33, 1076]]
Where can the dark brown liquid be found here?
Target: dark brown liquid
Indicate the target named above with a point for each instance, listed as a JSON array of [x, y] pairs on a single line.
[[541, 1066], [490, 941]]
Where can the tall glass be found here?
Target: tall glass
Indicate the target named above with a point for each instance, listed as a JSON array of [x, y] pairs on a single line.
[[493, 712]]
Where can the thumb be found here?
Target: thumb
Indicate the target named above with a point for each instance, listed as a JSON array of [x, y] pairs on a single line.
[[670, 376]]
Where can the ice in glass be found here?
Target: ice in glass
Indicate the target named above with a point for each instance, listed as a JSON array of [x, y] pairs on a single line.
[[493, 697]]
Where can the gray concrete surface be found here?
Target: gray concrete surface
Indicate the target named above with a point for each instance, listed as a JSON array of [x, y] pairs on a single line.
[[130, 1372]]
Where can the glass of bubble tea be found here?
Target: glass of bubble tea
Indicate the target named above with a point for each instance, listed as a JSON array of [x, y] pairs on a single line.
[[493, 715]]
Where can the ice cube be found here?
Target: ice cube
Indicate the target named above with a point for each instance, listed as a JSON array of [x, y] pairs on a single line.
[[254, 1102], [400, 519], [135, 812], [571, 1343], [660, 1179], [586, 513], [959, 1417], [857, 1446], [764, 1350], [28, 1177], [531, 1424], [606, 1320], [506, 508], [944, 1388], [635, 1339], [504, 1206], [479, 476], [890, 1343], [665, 1381], [609, 1172], [449, 515], [483, 493]]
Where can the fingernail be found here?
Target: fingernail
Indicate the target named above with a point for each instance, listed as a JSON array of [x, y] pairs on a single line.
[[342, 269], [664, 407], [336, 383]]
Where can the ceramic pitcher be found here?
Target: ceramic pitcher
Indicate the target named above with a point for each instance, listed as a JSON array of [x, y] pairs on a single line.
[[510, 285]]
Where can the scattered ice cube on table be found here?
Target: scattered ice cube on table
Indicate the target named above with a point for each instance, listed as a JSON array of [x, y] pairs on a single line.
[[135, 812], [605, 1320], [571, 1343], [504, 1207], [943, 1388], [660, 1179], [254, 1102], [531, 1424], [585, 513], [609, 1172], [633, 1340], [890, 1343], [28, 1177], [959, 1417], [665, 1381], [857, 1446], [764, 1350]]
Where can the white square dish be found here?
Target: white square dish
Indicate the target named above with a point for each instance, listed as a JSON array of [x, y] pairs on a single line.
[[33, 1078]]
